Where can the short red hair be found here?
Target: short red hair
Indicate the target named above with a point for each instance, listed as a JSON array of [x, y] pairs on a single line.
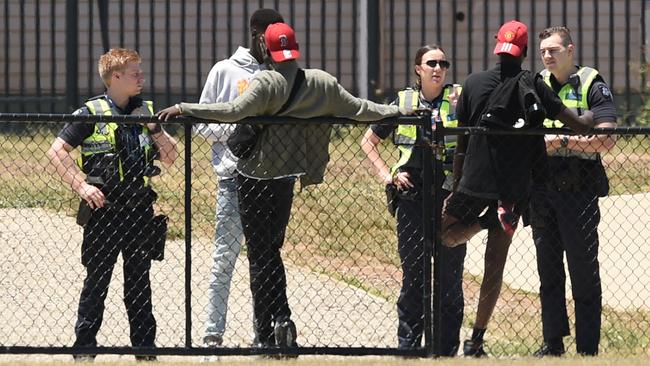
[[115, 59]]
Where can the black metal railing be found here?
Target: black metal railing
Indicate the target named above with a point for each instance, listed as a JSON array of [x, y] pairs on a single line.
[[369, 49]]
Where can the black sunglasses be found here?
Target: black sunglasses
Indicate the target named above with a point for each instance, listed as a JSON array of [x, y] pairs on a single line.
[[444, 64]]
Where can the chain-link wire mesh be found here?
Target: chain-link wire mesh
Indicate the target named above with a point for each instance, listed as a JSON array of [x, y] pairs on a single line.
[[576, 237], [340, 254]]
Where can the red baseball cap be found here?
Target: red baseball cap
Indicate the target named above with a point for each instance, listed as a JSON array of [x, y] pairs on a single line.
[[512, 38], [281, 42]]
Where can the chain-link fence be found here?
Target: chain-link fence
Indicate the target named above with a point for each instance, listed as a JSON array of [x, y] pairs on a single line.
[[583, 243], [341, 257]]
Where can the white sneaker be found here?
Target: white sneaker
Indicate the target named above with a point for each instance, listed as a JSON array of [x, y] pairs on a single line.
[[212, 341]]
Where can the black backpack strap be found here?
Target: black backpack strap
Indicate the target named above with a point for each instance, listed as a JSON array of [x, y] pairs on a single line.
[[300, 77], [495, 110]]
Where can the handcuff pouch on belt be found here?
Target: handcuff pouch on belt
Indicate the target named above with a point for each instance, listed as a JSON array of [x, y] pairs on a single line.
[[573, 174], [157, 235]]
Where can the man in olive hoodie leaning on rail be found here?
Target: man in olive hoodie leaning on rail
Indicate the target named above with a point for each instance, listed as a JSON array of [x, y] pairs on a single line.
[[282, 154]]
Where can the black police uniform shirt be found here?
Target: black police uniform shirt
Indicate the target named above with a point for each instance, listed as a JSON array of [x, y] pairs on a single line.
[[414, 164], [127, 144], [499, 167]]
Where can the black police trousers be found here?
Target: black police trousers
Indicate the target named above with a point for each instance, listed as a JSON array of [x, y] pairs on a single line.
[[265, 208], [410, 304], [109, 232], [567, 222]]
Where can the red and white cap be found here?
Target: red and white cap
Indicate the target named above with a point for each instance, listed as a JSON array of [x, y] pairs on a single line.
[[280, 40], [512, 38]]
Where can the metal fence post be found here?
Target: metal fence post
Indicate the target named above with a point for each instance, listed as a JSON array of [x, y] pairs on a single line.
[[72, 54], [428, 205], [103, 23], [188, 234], [438, 172], [374, 32]]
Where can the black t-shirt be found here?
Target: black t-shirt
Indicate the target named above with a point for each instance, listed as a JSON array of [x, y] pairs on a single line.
[[128, 146], [499, 166]]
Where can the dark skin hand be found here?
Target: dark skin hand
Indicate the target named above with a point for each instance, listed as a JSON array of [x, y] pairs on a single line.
[[168, 113], [579, 124]]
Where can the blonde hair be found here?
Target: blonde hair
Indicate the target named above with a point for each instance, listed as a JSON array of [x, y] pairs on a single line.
[[114, 60]]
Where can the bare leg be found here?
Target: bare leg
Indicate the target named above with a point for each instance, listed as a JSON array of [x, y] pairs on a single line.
[[496, 254], [455, 233]]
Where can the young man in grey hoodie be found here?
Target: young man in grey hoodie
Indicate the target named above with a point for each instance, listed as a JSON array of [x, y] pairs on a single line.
[[282, 154], [226, 81]]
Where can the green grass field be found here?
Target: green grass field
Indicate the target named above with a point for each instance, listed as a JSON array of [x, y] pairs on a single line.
[[341, 229]]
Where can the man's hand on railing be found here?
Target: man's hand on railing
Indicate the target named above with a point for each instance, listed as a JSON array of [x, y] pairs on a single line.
[[169, 113], [413, 112]]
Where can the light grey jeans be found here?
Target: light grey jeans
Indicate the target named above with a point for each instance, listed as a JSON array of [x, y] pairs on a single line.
[[227, 244]]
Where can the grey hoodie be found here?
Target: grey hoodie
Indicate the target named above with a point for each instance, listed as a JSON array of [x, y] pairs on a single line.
[[226, 81]]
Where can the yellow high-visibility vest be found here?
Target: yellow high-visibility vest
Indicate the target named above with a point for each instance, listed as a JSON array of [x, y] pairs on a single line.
[[574, 98], [406, 135], [102, 141]]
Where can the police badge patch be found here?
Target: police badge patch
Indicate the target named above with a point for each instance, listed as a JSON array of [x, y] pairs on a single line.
[[604, 90]]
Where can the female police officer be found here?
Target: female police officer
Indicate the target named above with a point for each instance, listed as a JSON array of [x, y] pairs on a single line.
[[430, 92]]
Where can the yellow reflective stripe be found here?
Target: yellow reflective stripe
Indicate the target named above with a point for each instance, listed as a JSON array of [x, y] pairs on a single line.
[[91, 107], [406, 135], [408, 99], [94, 147], [99, 107], [547, 76], [149, 105], [587, 76], [447, 110], [404, 156]]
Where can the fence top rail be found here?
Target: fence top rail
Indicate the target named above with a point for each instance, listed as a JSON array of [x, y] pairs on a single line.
[[626, 130], [64, 118], [403, 120]]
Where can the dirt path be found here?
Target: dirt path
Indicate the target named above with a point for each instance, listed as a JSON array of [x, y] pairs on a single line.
[[624, 254], [42, 277]]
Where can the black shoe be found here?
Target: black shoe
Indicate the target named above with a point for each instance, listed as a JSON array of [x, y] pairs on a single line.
[[588, 354], [473, 349], [285, 336], [146, 358], [212, 341], [449, 351], [549, 350], [83, 358]]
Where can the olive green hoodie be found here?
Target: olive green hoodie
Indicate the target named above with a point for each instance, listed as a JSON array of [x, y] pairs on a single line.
[[291, 150]]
